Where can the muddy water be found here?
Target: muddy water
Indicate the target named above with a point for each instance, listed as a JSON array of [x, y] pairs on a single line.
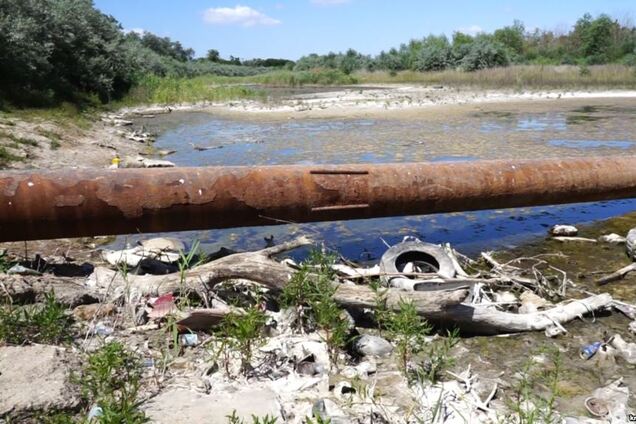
[[530, 130]]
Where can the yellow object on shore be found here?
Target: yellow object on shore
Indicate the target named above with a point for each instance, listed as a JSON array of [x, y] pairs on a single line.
[[115, 161]]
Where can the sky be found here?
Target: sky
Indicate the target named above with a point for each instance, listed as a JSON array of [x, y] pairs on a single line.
[[292, 28]]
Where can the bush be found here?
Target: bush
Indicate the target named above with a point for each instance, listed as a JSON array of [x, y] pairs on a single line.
[[52, 49], [485, 54]]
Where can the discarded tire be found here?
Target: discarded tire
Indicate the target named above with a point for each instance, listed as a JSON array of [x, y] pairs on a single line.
[[426, 256]]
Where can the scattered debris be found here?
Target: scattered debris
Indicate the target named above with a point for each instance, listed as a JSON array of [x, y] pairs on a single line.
[[22, 270], [612, 238], [564, 230]]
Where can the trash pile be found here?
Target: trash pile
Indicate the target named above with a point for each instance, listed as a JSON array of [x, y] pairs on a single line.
[[218, 335]]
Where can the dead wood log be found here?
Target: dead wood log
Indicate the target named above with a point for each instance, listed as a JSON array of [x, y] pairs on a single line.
[[488, 320], [440, 306], [33, 289], [616, 275], [259, 267]]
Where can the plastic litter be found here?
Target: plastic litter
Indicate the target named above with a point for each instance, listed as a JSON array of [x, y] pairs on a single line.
[[190, 339], [587, 352], [102, 329]]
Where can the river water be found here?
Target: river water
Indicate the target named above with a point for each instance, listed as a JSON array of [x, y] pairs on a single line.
[[512, 130]]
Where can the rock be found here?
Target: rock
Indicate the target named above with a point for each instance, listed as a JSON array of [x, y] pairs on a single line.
[[612, 239], [133, 257], [564, 230], [368, 345], [630, 243], [159, 244], [632, 327], [530, 302], [182, 406], [22, 270], [157, 163], [93, 310], [35, 378]]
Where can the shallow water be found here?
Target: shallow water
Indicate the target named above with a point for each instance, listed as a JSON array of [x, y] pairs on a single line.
[[480, 132]]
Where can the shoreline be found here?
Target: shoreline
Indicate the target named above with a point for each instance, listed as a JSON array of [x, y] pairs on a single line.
[[397, 100]]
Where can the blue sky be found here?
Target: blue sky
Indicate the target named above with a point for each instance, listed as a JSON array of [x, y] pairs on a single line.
[[291, 28]]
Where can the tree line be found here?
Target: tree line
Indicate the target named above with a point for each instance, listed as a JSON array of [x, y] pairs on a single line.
[[67, 50], [53, 50], [591, 41]]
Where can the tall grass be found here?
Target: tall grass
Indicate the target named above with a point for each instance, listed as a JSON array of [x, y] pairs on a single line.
[[157, 90], [298, 78], [519, 76]]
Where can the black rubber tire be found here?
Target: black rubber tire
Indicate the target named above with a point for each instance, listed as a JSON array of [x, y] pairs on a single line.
[[394, 259]]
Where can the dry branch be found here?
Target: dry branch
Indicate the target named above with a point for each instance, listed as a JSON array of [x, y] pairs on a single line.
[[616, 275]]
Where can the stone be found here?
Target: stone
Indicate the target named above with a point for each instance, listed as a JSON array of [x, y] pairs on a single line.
[[94, 310], [564, 230], [368, 345], [22, 270], [182, 406], [632, 327], [163, 243], [35, 379]]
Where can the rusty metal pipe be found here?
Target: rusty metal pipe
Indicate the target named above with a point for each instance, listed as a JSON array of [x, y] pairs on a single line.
[[69, 203]]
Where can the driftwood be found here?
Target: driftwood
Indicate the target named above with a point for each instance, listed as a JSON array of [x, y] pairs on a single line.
[[617, 275], [442, 306], [484, 319], [259, 267], [31, 289]]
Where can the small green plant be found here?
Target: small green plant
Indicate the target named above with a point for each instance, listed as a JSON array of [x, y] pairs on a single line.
[[310, 292], [438, 358], [55, 144], [243, 332], [46, 323], [526, 404], [5, 263], [408, 330], [111, 380], [235, 419]]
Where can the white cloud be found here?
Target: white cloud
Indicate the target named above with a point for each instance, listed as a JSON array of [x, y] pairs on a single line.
[[471, 30], [237, 15], [138, 31], [329, 2]]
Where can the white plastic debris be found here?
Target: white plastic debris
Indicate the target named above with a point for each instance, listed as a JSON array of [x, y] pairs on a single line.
[[612, 238], [564, 230]]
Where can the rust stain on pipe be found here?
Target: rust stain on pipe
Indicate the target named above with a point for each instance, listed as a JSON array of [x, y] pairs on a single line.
[[70, 203]]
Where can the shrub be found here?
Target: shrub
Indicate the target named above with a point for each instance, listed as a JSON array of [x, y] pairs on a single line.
[[485, 54], [47, 323]]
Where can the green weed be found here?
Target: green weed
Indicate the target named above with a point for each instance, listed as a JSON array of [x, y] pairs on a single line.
[[310, 292], [408, 331], [234, 419], [529, 407], [438, 358], [111, 380], [243, 332], [47, 323]]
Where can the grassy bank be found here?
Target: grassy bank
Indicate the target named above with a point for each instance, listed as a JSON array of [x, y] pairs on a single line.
[[520, 77], [156, 90]]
